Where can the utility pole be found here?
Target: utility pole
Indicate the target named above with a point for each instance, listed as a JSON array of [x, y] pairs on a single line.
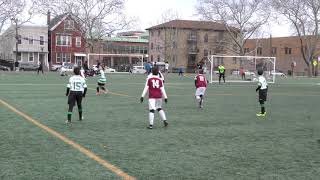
[[17, 39]]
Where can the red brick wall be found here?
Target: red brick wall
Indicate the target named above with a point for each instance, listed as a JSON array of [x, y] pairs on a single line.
[[63, 49]]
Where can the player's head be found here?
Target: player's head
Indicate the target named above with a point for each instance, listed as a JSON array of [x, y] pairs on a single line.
[[155, 71], [76, 71], [260, 72], [200, 71]]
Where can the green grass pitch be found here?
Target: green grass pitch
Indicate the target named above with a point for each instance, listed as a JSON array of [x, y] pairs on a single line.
[[225, 140]]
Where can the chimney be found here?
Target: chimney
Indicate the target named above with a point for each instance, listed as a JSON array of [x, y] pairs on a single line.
[[48, 17]]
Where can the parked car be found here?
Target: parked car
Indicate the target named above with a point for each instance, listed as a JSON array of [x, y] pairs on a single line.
[[66, 69], [4, 68], [28, 66], [109, 70], [277, 73], [56, 67], [138, 70]]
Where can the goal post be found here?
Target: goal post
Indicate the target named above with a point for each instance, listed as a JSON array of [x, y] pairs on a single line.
[[241, 68]]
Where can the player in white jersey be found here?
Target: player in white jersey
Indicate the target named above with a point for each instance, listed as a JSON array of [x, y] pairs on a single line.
[[101, 82], [263, 91], [76, 90]]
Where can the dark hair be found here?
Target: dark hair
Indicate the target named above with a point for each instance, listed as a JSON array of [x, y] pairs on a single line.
[[155, 71], [260, 72], [76, 71], [200, 71]]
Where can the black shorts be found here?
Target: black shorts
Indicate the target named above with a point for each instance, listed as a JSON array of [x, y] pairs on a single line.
[[263, 94], [101, 84], [75, 96]]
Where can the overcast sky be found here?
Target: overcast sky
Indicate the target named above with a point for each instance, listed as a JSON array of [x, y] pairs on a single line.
[[148, 12]]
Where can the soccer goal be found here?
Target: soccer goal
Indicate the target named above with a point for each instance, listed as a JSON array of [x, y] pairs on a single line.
[[241, 68]]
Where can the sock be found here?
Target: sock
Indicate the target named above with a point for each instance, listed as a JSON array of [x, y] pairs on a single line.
[[263, 110], [162, 115], [80, 114], [97, 89], [151, 118], [69, 116]]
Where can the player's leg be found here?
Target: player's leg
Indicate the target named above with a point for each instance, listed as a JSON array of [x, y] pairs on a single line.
[[198, 98], [79, 103], [161, 112], [98, 89], [224, 79], [220, 75], [262, 99], [71, 103], [152, 107], [104, 89]]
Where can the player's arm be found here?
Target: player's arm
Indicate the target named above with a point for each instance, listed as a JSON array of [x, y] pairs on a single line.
[[145, 90], [68, 88], [85, 89], [195, 81], [259, 86], [164, 94]]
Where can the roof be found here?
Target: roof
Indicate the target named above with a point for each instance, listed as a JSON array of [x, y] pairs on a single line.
[[56, 20], [188, 24], [121, 39]]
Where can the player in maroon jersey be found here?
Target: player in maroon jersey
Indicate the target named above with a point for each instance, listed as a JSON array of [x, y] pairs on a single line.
[[200, 82], [156, 92]]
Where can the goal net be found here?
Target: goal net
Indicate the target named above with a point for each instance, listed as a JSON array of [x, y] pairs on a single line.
[[241, 68]]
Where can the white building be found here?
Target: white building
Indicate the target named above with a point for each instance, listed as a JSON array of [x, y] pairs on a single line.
[[32, 44]]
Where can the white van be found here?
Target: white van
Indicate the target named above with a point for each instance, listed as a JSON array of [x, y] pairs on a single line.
[[138, 70]]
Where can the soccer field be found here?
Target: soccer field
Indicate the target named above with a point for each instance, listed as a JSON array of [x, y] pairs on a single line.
[[225, 140]]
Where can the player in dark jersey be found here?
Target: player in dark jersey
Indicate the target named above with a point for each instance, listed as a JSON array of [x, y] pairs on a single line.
[[156, 92], [200, 82], [76, 90]]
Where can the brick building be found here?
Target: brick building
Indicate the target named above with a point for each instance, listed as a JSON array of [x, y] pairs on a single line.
[[66, 43], [184, 43], [285, 49]]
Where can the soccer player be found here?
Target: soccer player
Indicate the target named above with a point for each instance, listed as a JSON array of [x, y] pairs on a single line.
[[156, 92], [200, 82], [76, 90], [263, 90], [222, 71], [101, 82]]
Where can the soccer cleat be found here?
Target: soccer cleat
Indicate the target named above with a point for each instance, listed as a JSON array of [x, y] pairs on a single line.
[[80, 119], [261, 114], [150, 127], [165, 123], [68, 122]]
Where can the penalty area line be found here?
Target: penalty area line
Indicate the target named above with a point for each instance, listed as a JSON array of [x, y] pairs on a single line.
[[73, 144]]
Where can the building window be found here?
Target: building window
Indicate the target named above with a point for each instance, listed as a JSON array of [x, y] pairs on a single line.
[[30, 39], [234, 59], [205, 53], [63, 40], [31, 57], [63, 57], [158, 58], [274, 50], [287, 50], [206, 38], [259, 50], [246, 50], [58, 57], [19, 58], [151, 58], [78, 41], [41, 40], [151, 45], [68, 24], [19, 39]]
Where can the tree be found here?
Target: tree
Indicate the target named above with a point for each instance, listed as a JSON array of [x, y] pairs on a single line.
[[242, 18], [97, 18], [304, 16], [14, 9]]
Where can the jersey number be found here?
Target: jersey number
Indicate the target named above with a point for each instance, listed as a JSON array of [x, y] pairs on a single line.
[[155, 83], [201, 78], [76, 85]]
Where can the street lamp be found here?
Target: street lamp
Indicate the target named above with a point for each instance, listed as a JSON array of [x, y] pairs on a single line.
[[15, 20]]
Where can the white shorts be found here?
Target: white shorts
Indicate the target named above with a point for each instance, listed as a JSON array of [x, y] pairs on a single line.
[[155, 104], [200, 91]]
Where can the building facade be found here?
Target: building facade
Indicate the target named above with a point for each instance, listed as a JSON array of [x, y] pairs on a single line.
[[185, 43], [32, 44], [287, 51], [66, 41], [120, 52]]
